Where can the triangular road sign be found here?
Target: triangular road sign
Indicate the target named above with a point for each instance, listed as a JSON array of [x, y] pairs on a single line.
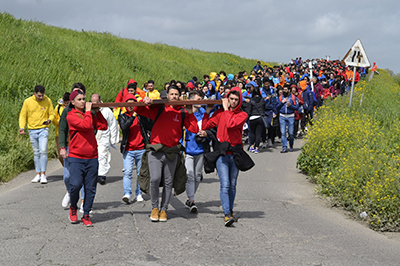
[[356, 56]]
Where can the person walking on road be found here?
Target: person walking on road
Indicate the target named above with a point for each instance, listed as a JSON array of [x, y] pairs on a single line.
[[163, 161], [134, 138], [105, 140], [287, 105], [83, 154], [194, 144], [37, 113], [229, 122], [63, 139]]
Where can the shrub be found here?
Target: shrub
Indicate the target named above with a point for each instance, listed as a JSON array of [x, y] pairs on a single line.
[[353, 155]]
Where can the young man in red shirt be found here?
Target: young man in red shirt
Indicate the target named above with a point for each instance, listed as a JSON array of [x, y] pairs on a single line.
[[167, 130], [229, 122], [83, 155]]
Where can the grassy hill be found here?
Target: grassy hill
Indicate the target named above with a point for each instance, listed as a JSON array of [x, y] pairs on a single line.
[[34, 53]]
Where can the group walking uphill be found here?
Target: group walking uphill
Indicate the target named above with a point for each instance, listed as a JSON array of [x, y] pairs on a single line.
[[172, 145]]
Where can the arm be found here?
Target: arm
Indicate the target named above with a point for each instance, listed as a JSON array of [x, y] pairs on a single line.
[[99, 122], [63, 129], [81, 124], [125, 122], [233, 120], [50, 110], [22, 118], [191, 123]]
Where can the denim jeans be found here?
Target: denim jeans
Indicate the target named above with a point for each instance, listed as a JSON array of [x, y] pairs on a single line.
[[66, 173], [289, 122], [83, 172], [130, 157], [39, 138], [228, 174]]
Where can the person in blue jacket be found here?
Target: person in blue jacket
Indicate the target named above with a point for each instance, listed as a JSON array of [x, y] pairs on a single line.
[[194, 144], [270, 103], [287, 104], [309, 102]]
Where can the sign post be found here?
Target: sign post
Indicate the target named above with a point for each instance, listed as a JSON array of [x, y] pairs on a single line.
[[356, 57]]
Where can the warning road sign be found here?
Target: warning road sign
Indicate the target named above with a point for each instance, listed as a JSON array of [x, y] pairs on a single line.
[[356, 56]]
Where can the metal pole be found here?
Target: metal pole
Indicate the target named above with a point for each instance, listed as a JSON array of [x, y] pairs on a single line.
[[310, 66], [352, 86]]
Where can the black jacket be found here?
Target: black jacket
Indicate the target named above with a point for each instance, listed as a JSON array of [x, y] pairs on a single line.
[[242, 159], [125, 122], [256, 106]]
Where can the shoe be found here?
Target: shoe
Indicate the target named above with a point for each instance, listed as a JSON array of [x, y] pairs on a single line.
[[73, 217], [36, 179], [139, 198], [127, 199], [163, 216], [256, 151], [234, 218], [251, 149], [154, 217], [270, 143], [86, 221], [291, 149], [264, 146], [66, 200], [284, 151], [102, 180], [229, 220], [191, 206], [43, 179]]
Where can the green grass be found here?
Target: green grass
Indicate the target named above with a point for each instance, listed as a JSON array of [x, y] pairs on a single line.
[[353, 155], [34, 53]]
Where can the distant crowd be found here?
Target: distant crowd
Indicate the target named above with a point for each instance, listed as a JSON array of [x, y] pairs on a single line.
[[171, 146]]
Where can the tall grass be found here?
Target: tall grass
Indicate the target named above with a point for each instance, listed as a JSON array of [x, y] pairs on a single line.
[[34, 53], [354, 154]]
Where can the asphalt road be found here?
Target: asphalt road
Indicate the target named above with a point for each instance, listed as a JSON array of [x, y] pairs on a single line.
[[281, 222]]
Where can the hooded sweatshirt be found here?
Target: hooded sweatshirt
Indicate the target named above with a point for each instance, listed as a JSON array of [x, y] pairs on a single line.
[[167, 130], [83, 144], [229, 123], [132, 138]]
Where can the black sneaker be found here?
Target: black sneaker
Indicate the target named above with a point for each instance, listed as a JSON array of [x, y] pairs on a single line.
[[229, 220], [191, 206], [102, 180]]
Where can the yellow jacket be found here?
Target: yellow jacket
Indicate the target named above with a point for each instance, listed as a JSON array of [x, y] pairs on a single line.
[[154, 95], [58, 109], [34, 113]]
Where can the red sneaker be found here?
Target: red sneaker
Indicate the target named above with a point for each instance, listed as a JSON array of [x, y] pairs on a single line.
[[86, 220], [73, 217]]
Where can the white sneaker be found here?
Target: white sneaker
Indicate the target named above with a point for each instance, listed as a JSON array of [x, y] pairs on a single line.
[[82, 211], [139, 198], [126, 198], [66, 200], [43, 179], [36, 179]]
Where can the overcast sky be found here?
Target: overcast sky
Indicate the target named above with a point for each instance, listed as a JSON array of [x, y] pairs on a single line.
[[260, 29]]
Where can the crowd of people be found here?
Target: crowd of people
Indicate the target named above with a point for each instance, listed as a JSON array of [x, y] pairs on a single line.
[[171, 146]]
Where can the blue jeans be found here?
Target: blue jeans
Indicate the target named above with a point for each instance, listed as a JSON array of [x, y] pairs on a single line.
[[83, 172], [66, 173], [39, 139], [287, 121], [228, 174], [129, 158]]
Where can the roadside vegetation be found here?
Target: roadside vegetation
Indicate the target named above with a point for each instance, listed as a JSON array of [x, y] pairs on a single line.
[[34, 53], [353, 154]]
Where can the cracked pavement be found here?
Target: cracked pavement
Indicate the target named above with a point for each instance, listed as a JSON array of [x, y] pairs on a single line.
[[280, 222]]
